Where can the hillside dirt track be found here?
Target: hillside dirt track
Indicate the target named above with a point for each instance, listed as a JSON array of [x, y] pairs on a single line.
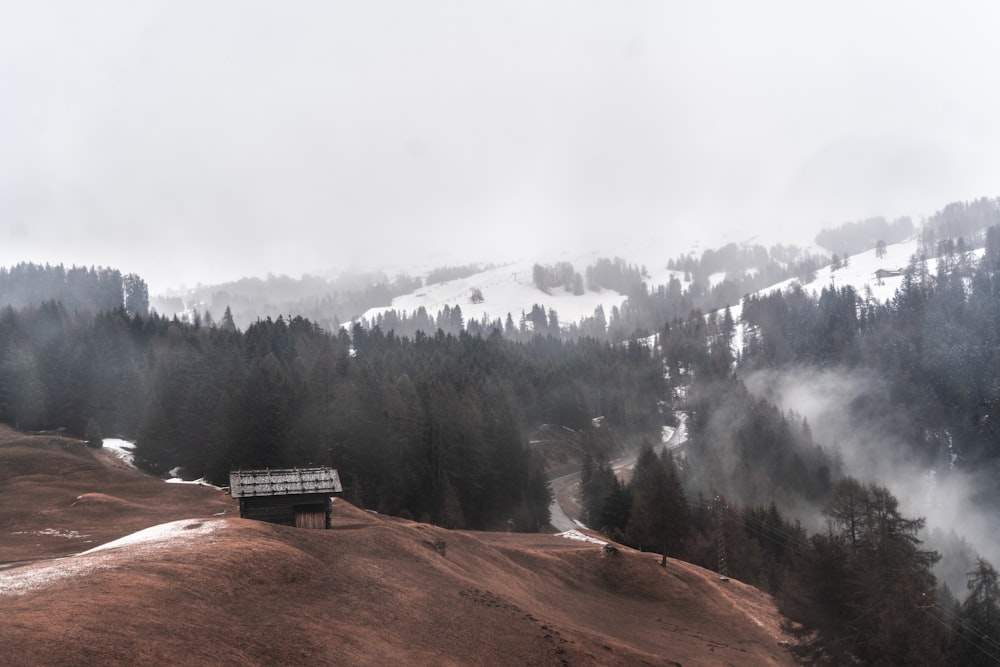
[[211, 588]]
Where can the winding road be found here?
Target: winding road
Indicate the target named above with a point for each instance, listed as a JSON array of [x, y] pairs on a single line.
[[565, 479]]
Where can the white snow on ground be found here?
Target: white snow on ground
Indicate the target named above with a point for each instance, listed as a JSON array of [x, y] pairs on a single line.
[[176, 534], [505, 289], [859, 274], [581, 537], [123, 449], [175, 478], [165, 535], [716, 278], [53, 532], [26, 578], [200, 482]]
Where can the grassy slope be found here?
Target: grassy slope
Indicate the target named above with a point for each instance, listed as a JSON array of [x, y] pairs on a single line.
[[373, 591]]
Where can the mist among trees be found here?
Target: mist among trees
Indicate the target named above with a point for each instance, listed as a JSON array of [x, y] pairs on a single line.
[[428, 415]]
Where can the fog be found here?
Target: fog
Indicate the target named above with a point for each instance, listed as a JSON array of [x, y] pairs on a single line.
[[941, 489], [205, 141]]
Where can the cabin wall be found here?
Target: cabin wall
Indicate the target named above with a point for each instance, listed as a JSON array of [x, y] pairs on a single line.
[[310, 510]]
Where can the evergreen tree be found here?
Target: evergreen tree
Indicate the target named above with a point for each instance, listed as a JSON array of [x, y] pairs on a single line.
[[657, 519], [136, 295], [878, 583], [977, 624], [93, 434]]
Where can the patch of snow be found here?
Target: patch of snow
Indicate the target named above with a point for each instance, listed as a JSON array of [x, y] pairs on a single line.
[[173, 535], [716, 278], [175, 478], [53, 532], [507, 289], [200, 482], [679, 435], [123, 449], [21, 580], [163, 536], [581, 537], [859, 274]]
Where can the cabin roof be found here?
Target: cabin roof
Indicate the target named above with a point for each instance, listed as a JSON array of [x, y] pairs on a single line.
[[283, 482]]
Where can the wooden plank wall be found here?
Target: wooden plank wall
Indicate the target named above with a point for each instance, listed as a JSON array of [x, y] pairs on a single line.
[[282, 509], [310, 519]]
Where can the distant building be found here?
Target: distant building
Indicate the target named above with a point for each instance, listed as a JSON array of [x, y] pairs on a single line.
[[882, 274], [299, 497]]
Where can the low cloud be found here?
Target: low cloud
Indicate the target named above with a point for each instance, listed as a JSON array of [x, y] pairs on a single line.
[[845, 409]]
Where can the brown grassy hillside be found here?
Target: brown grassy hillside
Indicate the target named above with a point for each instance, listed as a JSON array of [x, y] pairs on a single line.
[[199, 589]]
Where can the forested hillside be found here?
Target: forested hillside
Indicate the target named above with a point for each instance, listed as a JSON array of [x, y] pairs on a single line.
[[76, 288], [433, 426]]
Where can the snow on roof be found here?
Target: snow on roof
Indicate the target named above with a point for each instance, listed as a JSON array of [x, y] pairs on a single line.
[[247, 483]]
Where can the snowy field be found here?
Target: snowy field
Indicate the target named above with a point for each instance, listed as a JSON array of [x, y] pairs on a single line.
[[505, 289], [859, 274]]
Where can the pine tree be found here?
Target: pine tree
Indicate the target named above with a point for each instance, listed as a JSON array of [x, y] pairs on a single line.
[[93, 434], [658, 517], [136, 295], [977, 626]]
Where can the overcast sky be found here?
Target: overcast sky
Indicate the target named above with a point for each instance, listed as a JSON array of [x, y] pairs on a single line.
[[201, 141]]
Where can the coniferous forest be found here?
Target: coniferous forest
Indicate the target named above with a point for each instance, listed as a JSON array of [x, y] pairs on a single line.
[[434, 426]]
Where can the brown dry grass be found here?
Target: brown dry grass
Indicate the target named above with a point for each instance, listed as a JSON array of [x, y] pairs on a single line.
[[375, 590]]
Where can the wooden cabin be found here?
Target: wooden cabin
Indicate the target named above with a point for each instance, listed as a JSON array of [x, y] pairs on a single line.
[[882, 274], [299, 497]]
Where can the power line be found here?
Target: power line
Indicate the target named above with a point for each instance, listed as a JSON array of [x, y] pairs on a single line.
[[964, 623], [989, 646]]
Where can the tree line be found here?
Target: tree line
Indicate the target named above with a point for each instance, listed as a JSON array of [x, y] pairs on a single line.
[[861, 591], [432, 427], [76, 288], [934, 347]]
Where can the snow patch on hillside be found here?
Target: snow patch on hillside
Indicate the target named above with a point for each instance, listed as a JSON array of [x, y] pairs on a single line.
[[53, 532], [860, 273], [123, 449], [27, 578], [165, 535], [172, 535], [197, 482], [580, 537], [504, 289]]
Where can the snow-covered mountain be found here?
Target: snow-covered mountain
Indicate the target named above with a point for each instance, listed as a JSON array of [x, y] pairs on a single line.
[[504, 289], [871, 276], [510, 288]]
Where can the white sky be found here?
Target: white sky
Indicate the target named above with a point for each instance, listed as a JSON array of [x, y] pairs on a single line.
[[202, 141]]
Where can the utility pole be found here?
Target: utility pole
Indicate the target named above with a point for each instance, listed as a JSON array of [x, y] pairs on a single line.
[[723, 572], [720, 526]]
